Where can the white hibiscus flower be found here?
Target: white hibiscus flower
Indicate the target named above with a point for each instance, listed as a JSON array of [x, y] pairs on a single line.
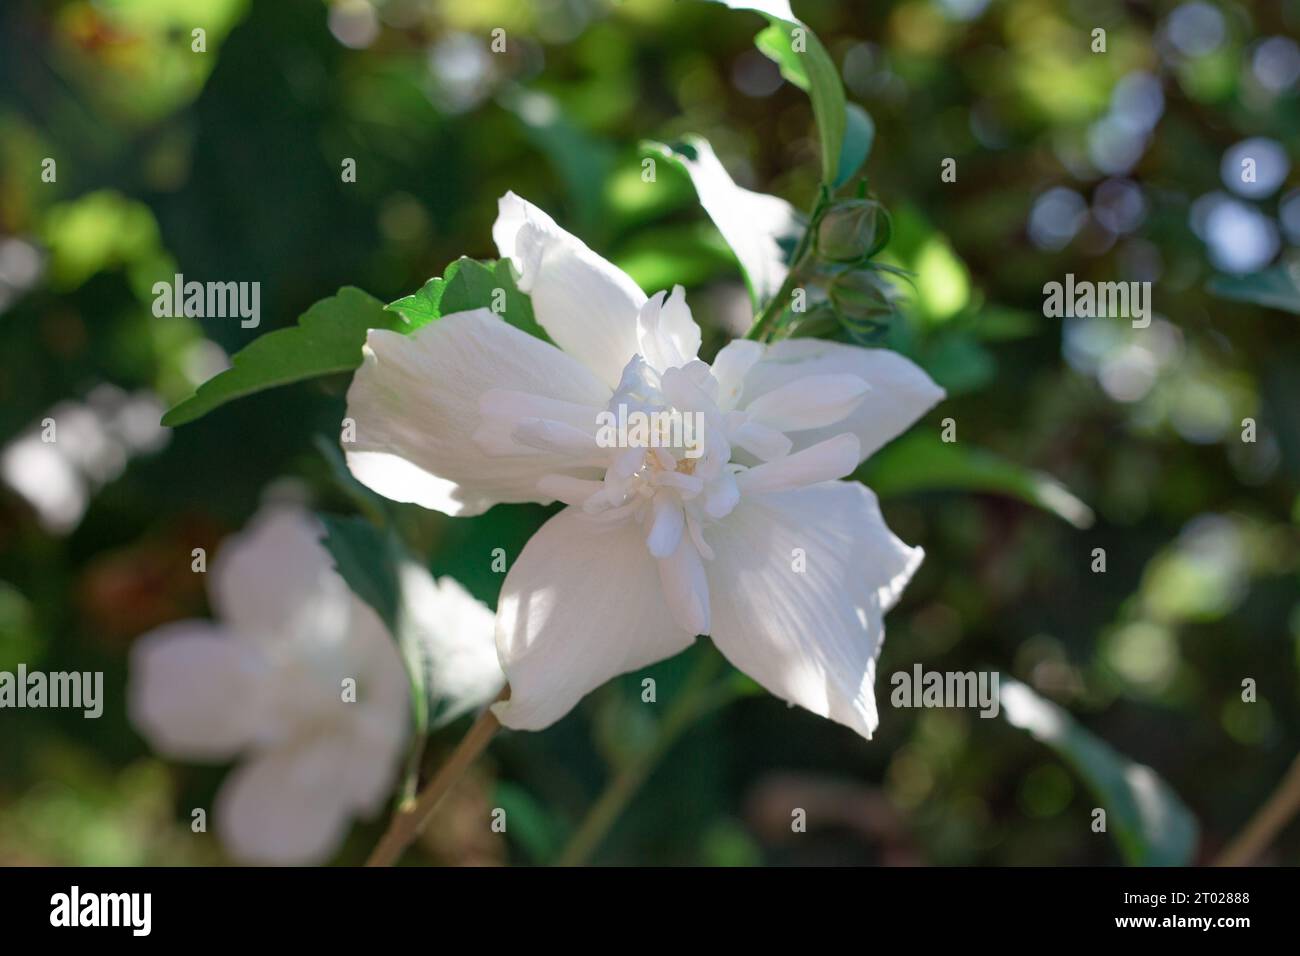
[[754, 543], [265, 682]]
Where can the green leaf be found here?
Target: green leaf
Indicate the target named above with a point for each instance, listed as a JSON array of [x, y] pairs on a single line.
[[329, 336], [366, 558], [805, 62], [859, 135], [774, 42], [369, 560], [471, 284], [374, 505], [1276, 288], [761, 230], [921, 461], [531, 826], [422, 307], [327, 339], [431, 630], [1150, 823]]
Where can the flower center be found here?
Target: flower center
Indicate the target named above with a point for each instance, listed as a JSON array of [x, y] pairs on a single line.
[[661, 452]]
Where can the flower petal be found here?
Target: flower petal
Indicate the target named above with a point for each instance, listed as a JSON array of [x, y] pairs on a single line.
[[415, 401], [513, 213], [833, 458], [900, 391], [816, 401], [378, 721], [764, 443], [275, 579], [667, 523], [686, 587], [505, 410], [731, 366], [587, 305], [811, 637], [198, 692], [666, 331], [292, 805], [582, 604], [457, 636]]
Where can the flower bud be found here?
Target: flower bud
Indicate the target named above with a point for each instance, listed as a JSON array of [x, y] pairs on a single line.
[[863, 296], [852, 230]]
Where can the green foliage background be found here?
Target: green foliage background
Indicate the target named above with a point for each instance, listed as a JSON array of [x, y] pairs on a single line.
[[226, 165]]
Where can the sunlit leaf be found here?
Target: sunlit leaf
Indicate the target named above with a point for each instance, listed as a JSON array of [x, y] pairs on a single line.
[[97, 231], [942, 280], [805, 62], [922, 461], [1148, 820], [145, 65], [470, 284], [329, 336], [327, 339]]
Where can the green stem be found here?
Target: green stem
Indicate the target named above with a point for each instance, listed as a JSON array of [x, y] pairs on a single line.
[[695, 699], [407, 822], [1268, 821], [774, 307], [761, 328], [411, 774]]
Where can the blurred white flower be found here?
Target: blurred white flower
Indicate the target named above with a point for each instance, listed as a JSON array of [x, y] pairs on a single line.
[[298, 678], [748, 538], [76, 448], [454, 633]]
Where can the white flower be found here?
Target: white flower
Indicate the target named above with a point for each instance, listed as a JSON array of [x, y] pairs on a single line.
[[266, 682], [454, 634], [754, 542]]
